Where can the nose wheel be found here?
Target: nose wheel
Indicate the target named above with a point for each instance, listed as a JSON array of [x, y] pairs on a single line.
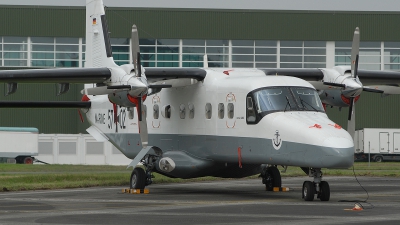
[[317, 187]]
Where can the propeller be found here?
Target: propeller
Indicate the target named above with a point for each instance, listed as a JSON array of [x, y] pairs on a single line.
[[142, 119], [135, 49], [351, 86], [355, 52]]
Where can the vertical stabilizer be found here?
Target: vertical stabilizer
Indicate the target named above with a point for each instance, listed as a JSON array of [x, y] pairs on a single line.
[[98, 46]]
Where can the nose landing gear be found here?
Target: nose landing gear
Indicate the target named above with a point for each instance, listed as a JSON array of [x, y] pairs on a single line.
[[319, 187]]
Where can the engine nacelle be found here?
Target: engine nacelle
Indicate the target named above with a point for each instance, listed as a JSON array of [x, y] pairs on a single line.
[[180, 164], [335, 98], [121, 99]]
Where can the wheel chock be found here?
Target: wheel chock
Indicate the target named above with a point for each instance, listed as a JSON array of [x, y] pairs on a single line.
[[280, 189], [135, 191], [357, 207]]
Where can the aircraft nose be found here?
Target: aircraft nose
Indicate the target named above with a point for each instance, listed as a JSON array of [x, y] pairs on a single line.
[[339, 152]]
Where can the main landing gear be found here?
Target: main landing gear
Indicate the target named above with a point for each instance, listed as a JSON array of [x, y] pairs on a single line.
[[319, 187], [140, 178], [271, 177]]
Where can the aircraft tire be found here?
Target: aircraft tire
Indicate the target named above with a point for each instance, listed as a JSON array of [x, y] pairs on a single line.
[[324, 191], [138, 179], [308, 191], [274, 178]]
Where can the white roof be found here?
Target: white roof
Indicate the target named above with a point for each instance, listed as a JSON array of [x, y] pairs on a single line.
[[311, 5]]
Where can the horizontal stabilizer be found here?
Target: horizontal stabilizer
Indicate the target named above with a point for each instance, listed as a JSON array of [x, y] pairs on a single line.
[[54, 104]]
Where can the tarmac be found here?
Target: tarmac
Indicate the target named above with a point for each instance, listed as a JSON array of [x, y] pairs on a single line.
[[240, 201]]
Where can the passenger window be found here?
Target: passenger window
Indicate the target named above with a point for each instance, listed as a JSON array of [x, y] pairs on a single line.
[[182, 111], [208, 111], [231, 109], [221, 110], [166, 111], [156, 111], [251, 114], [191, 110]]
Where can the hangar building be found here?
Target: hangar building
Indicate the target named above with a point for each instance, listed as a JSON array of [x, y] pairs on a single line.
[[260, 34]]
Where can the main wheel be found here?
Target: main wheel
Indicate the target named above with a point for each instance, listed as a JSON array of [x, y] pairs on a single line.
[[324, 191], [273, 178], [138, 179], [308, 191]]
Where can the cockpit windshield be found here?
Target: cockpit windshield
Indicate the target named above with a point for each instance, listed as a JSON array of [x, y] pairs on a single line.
[[274, 99]]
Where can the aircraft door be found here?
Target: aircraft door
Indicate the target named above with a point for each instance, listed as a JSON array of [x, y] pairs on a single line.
[[384, 142], [396, 142], [230, 111], [155, 109]]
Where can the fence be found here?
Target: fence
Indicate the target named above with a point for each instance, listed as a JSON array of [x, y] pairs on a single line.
[[78, 149]]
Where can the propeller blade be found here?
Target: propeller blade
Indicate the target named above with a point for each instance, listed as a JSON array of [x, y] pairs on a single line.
[[139, 109], [103, 90], [142, 123], [143, 130], [372, 90], [355, 51], [351, 123], [135, 47], [119, 87], [139, 65], [334, 84]]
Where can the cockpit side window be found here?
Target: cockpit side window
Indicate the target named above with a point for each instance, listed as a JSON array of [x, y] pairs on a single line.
[[250, 112]]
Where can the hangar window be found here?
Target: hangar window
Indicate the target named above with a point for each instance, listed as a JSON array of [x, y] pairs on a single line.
[[208, 111], [302, 54], [120, 50], [167, 52], [15, 51], [370, 54], [392, 55]]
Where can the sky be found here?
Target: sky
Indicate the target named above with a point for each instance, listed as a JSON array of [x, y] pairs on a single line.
[[324, 5]]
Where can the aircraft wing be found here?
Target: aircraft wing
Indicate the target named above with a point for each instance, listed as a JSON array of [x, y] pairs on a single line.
[[305, 74], [156, 75], [387, 82], [62, 76], [65, 75]]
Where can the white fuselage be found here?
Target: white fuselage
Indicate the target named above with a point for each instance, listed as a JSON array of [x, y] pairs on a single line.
[[208, 120]]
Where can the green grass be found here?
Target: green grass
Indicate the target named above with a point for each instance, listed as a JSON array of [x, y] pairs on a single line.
[[16, 177]]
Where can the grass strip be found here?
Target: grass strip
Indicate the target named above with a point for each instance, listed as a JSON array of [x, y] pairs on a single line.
[[16, 177]]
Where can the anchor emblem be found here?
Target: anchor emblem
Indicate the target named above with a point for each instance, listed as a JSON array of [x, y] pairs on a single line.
[[276, 141]]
